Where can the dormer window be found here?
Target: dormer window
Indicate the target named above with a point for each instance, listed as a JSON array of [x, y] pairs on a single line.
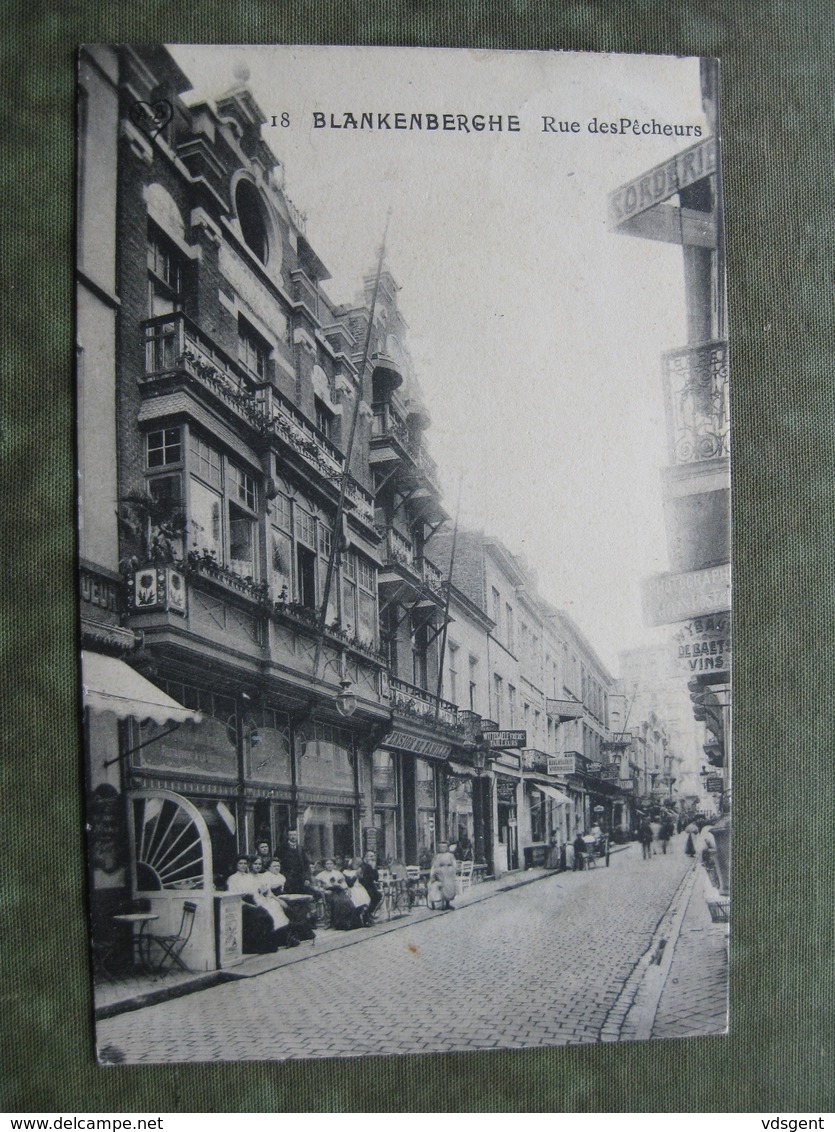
[[250, 212]]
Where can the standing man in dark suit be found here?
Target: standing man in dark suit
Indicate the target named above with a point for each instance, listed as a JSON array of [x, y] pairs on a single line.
[[295, 864]]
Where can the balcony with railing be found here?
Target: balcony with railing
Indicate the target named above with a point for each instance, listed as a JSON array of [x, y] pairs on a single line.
[[696, 393], [418, 703], [433, 579], [175, 346], [399, 550], [391, 441], [617, 740], [533, 759], [570, 762]]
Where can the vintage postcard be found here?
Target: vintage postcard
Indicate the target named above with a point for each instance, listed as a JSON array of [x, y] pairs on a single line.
[[404, 569]]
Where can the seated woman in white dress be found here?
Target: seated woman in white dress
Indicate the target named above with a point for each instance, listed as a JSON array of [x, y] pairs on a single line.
[[344, 914], [265, 926], [360, 897]]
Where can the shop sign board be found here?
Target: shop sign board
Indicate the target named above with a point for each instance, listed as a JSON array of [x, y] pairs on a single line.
[[668, 598], [417, 745], [663, 181], [704, 644], [497, 740], [714, 784], [506, 791]]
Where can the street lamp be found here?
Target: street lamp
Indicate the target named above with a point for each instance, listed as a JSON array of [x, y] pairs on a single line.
[[346, 700]]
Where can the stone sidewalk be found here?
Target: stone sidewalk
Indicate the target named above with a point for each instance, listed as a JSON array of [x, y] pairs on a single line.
[[694, 999], [137, 991]]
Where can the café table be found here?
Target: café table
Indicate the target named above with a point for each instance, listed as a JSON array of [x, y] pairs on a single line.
[[396, 897], [140, 943], [297, 906]]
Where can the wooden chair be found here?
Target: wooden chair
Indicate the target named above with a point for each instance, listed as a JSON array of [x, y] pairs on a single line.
[[172, 945], [464, 875]]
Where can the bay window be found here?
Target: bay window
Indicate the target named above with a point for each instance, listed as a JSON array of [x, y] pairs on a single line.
[[220, 501], [301, 544]]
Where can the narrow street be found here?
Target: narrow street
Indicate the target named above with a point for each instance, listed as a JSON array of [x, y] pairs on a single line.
[[569, 959]]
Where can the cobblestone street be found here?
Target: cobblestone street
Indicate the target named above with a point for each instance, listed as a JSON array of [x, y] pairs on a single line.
[[555, 962]]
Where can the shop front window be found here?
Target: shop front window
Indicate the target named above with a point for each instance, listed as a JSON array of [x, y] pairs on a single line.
[[537, 815], [385, 779], [425, 778], [426, 837], [329, 832], [269, 747], [386, 823], [327, 758]]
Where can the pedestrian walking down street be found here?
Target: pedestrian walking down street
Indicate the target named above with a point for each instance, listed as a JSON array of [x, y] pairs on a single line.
[[579, 847], [692, 832], [645, 838], [442, 885], [666, 833]]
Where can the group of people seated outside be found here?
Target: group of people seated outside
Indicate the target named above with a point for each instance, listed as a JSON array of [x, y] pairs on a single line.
[[274, 887]]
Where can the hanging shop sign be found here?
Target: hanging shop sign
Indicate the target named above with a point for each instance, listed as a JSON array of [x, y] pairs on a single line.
[[497, 740], [704, 644], [506, 791], [668, 598], [663, 181], [714, 784]]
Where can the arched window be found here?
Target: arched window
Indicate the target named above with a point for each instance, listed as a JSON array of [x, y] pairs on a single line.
[[251, 218]]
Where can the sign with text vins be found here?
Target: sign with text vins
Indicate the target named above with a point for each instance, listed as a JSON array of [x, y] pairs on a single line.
[[501, 739]]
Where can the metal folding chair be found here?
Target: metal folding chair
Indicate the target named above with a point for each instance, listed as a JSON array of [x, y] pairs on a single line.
[[416, 885], [172, 946]]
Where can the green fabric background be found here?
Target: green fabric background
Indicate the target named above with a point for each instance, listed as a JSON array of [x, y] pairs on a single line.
[[776, 60]]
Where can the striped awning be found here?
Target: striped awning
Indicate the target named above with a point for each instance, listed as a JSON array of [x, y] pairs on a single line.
[[108, 685]]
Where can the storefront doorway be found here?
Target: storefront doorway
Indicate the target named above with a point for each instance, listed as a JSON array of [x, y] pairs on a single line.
[[507, 820], [508, 835]]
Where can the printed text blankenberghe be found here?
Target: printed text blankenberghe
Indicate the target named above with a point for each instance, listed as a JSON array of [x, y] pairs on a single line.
[[397, 120]]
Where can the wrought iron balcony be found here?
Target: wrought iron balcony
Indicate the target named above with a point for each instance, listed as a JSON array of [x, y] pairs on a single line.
[[572, 762], [411, 700], [617, 740], [697, 401], [387, 427], [399, 550], [533, 759], [433, 579]]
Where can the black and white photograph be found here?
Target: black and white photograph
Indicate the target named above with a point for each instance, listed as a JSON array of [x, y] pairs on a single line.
[[403, 454]]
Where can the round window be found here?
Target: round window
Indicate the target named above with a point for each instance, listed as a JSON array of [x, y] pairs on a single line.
[[251, 218]]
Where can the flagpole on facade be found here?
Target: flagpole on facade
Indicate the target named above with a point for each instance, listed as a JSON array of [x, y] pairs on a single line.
[[346, 471], [446, 603]]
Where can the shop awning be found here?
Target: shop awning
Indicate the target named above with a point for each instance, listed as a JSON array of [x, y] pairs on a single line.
[[552, 792], [110, 685], [461, 769]]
